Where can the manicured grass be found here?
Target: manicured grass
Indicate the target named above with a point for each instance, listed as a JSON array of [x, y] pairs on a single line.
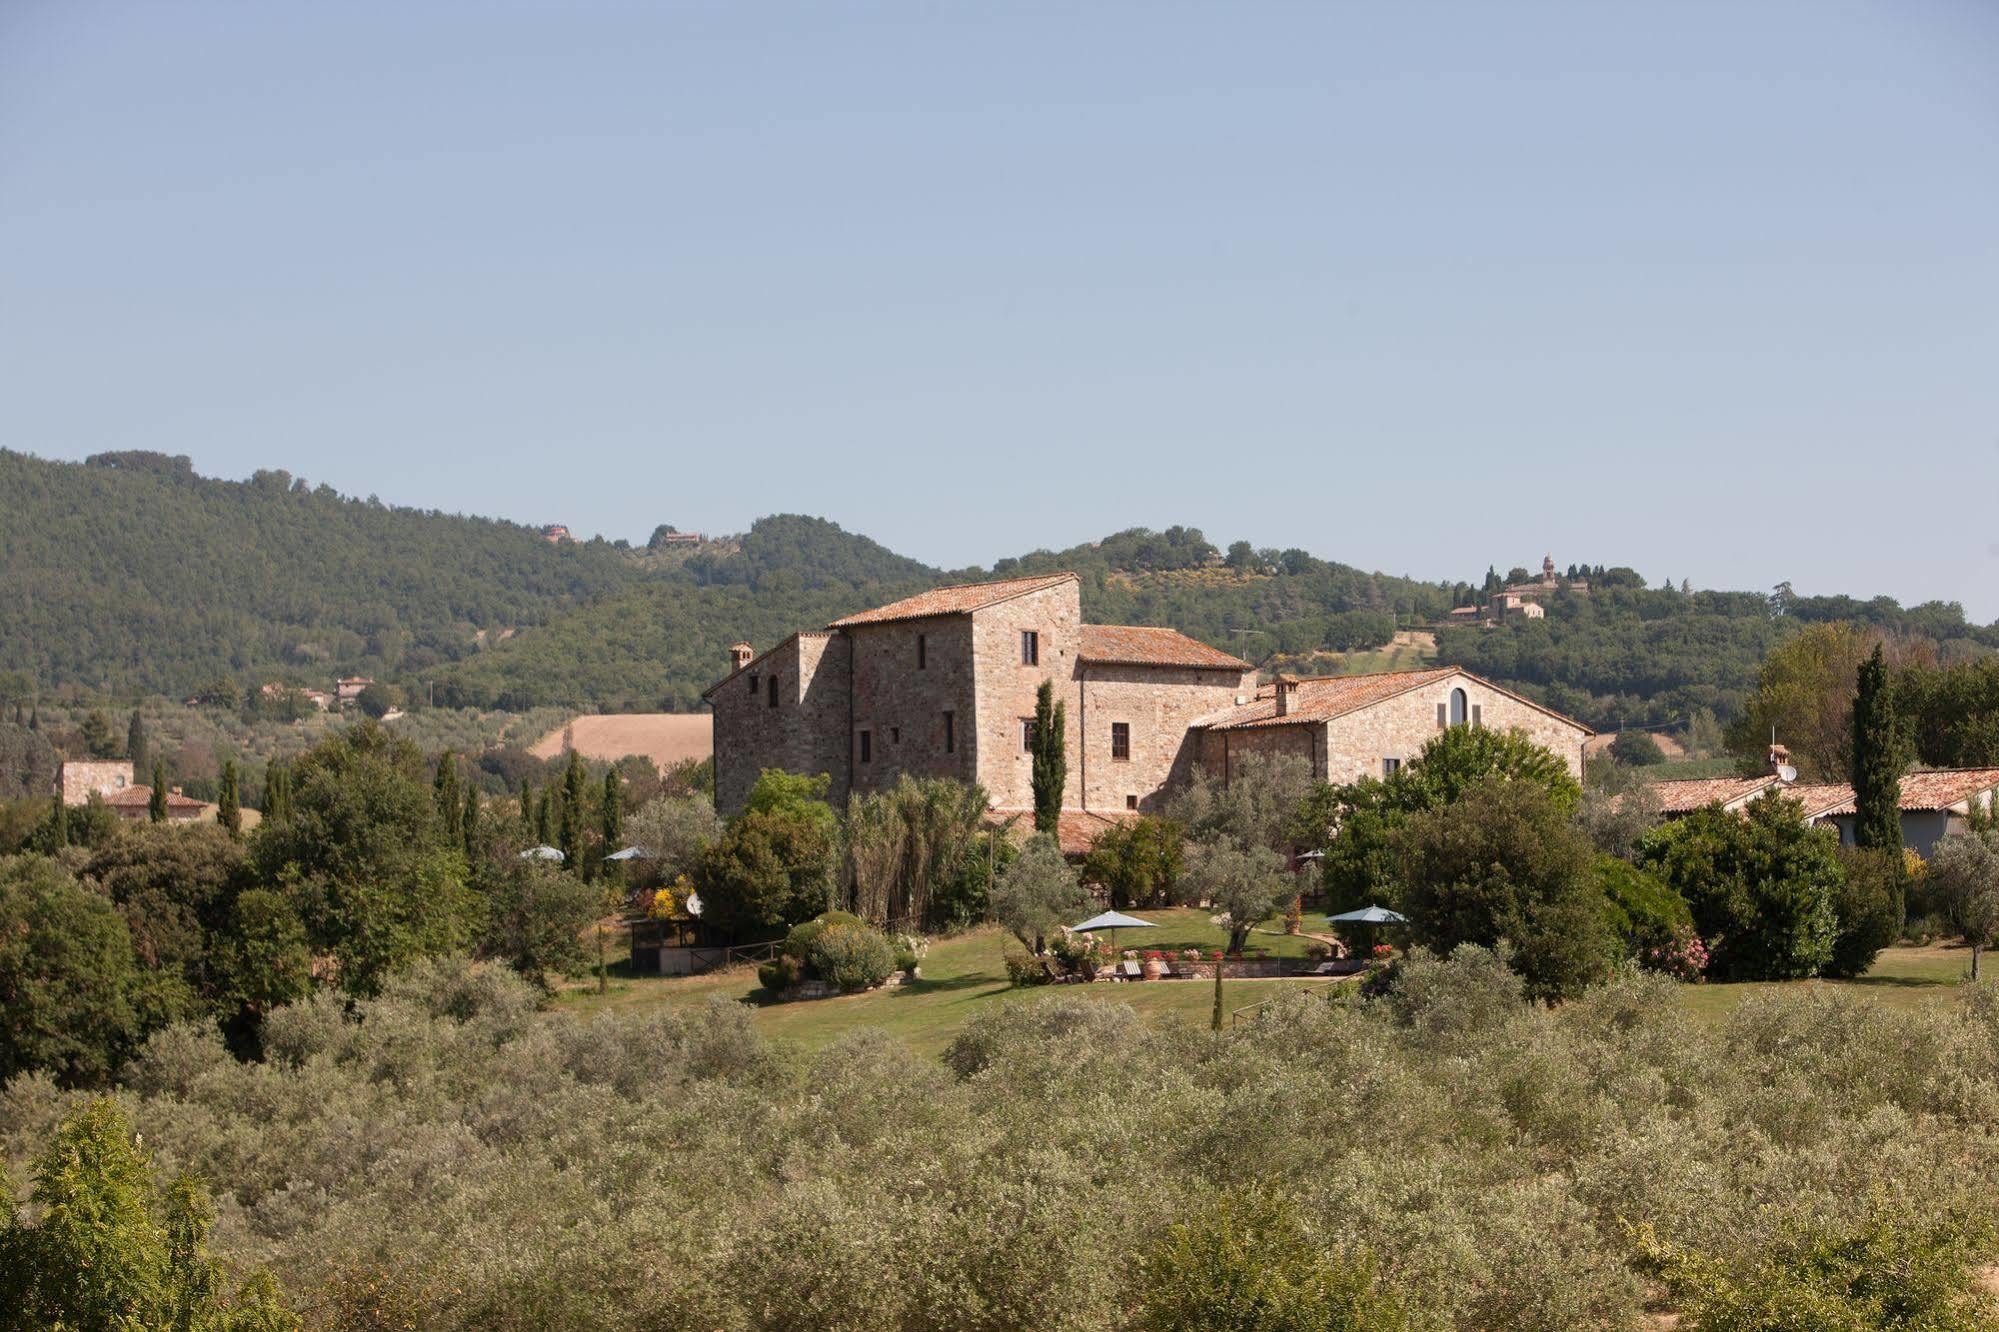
[[966, 974], [962, 976], [1905, 978]]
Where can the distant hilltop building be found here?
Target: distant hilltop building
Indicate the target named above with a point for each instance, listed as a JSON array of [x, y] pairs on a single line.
[[347, 690], [1520, 600], [667, 535], [555, 534], [943, 684]]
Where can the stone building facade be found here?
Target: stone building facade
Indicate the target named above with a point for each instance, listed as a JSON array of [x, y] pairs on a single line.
[[78, 779], [943, 685], [1353, 726]]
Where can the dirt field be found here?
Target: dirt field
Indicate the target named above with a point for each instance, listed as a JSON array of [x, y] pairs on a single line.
[[1670, 747], [663, 737]]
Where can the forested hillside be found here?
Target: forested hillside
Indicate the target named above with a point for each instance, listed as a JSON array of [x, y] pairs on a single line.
[[130, 574]]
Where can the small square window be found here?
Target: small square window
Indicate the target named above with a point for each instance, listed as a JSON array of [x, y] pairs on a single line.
[[1030, 648], [1390, 766], [922, 652], [1131, 802], [867, 747], [1120, 740]]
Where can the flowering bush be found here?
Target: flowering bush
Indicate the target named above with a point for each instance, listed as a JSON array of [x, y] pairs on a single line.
[[1683, 956], [1381, 950], [1191, 954]]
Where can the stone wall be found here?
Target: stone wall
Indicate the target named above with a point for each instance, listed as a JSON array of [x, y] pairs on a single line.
[[1354, 746], [901, 693], [1004, 689], [1158, 703], [79, 777], [805, 732]]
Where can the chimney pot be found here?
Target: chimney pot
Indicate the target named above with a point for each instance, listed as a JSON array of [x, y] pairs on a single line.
[[740, 655], [1287, 689]]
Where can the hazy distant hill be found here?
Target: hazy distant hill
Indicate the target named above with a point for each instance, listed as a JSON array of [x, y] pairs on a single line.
[[129, 572]]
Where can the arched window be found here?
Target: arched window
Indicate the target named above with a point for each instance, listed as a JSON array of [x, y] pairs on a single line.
[[1459, 712]]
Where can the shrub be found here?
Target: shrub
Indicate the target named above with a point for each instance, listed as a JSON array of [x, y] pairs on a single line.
[[1024, 969], [780, 973], [1637, 748], [850, 954], [1642, 911], [1868, 905], [1248, 1265], [1893, 1269]]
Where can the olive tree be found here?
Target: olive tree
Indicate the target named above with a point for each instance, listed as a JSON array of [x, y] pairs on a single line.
[[1964, 883]]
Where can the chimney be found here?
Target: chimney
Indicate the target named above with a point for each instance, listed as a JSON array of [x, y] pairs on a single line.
[[1287, 691], [739, 656], [1780, 759]]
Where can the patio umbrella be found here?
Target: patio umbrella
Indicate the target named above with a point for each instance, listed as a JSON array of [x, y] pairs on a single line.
[[1371, 915], [1112, 921], [630, 853], [540, 853]]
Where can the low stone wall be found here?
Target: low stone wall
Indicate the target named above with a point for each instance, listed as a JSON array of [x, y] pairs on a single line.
[[819, 989]]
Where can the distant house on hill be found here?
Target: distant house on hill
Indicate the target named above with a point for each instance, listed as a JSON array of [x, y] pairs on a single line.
[[555, 534], [349, 689], [669, 535], [79, 779], [134, 804]]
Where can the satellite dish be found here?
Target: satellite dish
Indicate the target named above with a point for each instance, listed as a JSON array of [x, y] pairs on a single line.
[[1787, 773], [694, 904]]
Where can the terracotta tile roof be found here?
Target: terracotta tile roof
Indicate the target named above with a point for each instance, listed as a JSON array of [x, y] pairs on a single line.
[[1687, 794], [1322, 698], [1922, 792], [959, 600], [1075, 829], [142, 796], [1142, 645]]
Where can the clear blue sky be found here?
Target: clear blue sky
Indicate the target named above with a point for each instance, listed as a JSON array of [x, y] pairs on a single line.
[[1711, 289]]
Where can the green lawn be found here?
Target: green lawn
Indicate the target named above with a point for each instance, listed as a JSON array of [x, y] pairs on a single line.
[[965, 975], [1902, 978], [961, 976]]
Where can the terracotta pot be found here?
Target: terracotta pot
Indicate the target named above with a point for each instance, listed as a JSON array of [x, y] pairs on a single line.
[[1153, 968]]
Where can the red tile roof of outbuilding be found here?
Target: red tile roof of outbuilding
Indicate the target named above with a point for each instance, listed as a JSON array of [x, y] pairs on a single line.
[[1145, 645]]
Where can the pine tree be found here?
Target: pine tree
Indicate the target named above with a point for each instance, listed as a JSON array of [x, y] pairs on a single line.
[[228, 803], [1877, 766], [575, 792], [156, 803], [97, 734], [135, 742], [1051, 769], [450, 811]]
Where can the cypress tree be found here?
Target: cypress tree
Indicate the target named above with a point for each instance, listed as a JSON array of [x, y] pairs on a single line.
[[35, 717], [450, 811], [277, 790], [135, 742], [1877, 767], [156, 803], [575, 791], [1215, 1018], [527, 809], [59, 819], [614, 824], [544, 816], [228, 804], [1051, 771], [468, 824]]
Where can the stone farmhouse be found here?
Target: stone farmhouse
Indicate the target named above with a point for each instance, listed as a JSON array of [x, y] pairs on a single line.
[[943, 684], [1935, 803], [79, 779]]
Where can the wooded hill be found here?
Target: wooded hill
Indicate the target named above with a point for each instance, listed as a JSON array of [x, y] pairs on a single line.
[[129, 573]]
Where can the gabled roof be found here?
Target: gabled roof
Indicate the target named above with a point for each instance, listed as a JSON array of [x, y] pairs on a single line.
[[962, 599], [758, 660], [1075, 829], [142, 796], [1145, 645], [1322, 698], [1686, 794]]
